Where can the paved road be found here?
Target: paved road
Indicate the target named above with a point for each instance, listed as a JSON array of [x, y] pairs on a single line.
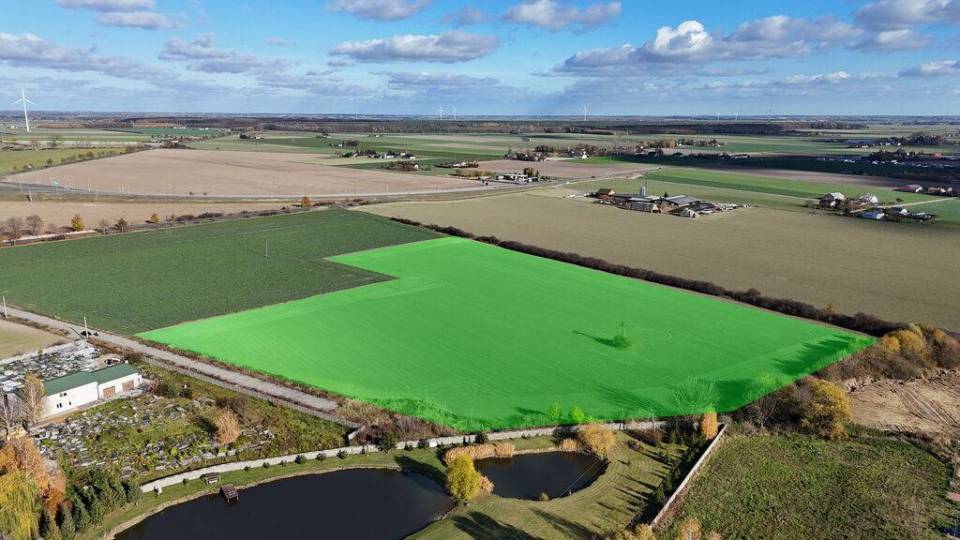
[[226, 378]]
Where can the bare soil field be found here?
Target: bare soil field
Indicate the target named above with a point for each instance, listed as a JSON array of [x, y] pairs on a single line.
[[928, 406], [60, 212], [566, 169], [18, 339], [225, 173], [885, 269]]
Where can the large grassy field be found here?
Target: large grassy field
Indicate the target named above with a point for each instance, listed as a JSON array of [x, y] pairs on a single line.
[[478, 337], [821, 259], [21, 160], [795, 487], [775, 186], [140, 281]]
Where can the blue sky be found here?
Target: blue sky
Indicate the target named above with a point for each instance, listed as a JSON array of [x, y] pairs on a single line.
[[529, 57]]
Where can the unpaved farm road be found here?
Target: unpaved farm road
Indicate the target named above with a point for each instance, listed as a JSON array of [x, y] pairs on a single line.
[[226, 378]]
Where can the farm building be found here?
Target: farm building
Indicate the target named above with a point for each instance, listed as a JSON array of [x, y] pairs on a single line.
[[84, 387], [868, 198], [911, 188], [875, 215], [830, 200], [677, 201]]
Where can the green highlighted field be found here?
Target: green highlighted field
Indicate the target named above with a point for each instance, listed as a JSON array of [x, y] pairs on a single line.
[[478, 337]]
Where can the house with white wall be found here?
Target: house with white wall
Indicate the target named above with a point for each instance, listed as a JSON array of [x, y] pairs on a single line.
[[80, 388]]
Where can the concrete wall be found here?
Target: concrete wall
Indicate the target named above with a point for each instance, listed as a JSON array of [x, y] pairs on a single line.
[[71, 399]]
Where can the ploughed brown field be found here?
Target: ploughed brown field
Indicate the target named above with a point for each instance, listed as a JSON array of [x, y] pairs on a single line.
[[567, 168], [890, 270], [225, 173]]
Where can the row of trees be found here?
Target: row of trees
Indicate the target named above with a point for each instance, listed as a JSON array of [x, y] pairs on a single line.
[[37, 501]]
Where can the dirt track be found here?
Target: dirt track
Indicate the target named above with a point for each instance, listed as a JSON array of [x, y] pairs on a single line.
[[929, 406], [225, 173]]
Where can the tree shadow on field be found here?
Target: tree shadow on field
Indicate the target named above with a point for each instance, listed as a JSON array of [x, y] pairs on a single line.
[[618, 342], [568, 528], [409, 464], [483, 527], [816, 356], [637, 405]]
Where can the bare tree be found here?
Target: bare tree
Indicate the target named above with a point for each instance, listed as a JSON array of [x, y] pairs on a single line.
[[122, 225], [11, 414], [34, 224], [103, 226], [34, 396], [15, 226]]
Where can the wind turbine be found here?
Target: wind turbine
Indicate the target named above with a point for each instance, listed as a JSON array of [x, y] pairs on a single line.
[[23, 99], [585, 111], [441, 113]]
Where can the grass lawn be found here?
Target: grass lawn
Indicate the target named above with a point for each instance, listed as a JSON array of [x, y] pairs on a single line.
[[478, 337], [609, 504], [946, 210], [775, 186], [796, 487], [140, 281]]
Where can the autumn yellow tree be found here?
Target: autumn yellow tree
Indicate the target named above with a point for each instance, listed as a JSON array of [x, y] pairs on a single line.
[[228, 426], [154, 218], [19, 506], [828, 411], [463, 480], [305, 202], [690, 530], [76, 223], [709, 425], [597, 439]]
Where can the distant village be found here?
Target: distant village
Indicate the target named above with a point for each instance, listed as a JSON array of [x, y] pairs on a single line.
[[676, 205]]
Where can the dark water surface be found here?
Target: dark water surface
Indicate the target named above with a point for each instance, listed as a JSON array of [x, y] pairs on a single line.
[[362, 504], [526, 476]]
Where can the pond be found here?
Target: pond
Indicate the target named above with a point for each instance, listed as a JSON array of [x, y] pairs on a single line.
[[365, 504], [526, 476]]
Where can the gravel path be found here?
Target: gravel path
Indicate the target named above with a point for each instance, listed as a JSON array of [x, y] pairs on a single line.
[[246, 384]]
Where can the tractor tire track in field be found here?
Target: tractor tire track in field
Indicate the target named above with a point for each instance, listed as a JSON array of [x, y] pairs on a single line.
[[226, 378], [927, 405]]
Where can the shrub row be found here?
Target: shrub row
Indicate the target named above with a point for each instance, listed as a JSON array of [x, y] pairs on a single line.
[[860, 322]]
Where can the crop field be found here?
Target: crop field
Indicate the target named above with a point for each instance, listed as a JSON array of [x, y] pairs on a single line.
[[856, 489], [19, 160], [140, 281], [478, 337], [821, 259], [18, 339], [210, 173]]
